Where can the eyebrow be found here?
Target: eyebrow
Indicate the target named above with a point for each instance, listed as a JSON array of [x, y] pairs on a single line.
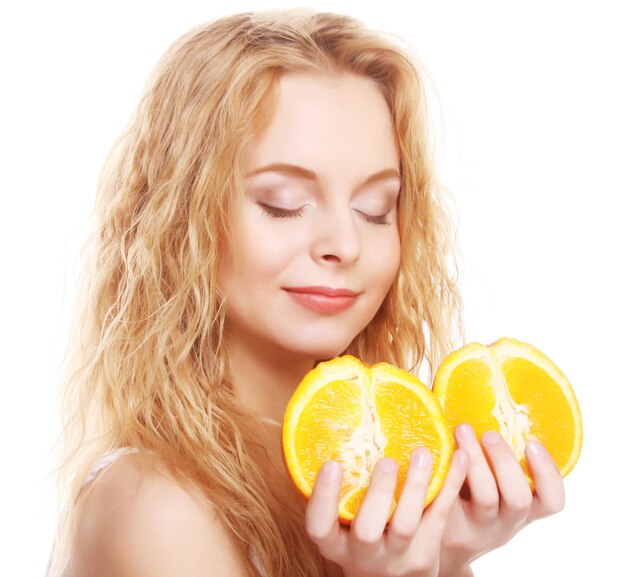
[[296, 171]]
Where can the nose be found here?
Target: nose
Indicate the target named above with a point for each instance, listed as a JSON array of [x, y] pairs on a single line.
[[335, 236]]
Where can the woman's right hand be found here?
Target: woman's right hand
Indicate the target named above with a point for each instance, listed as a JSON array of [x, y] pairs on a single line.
[[410, 545]]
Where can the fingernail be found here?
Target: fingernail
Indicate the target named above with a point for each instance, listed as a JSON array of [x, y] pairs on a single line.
[[330, 471], [491, 438], [421, 457], [536, 449], [465, 432]]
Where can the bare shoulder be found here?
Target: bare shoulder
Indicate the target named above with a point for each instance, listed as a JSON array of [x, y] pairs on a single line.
[[138, 520]]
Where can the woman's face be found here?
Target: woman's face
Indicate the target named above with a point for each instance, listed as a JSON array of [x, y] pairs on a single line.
[[323, 216]]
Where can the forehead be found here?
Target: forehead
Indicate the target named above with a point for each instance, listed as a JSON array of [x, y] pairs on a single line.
[[328, 123]]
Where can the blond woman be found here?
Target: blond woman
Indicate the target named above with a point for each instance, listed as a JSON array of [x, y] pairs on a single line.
[[273, 203]]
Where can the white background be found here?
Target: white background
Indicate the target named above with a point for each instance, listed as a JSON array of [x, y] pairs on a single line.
[[532, 105]]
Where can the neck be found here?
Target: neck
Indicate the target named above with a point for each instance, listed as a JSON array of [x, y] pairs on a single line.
[[265, 377]]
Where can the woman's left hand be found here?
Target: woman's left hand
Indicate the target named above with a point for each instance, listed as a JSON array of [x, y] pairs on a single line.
[[500, 501], [410, 544]]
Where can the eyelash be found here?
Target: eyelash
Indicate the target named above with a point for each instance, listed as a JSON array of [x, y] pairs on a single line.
[[281, 213]]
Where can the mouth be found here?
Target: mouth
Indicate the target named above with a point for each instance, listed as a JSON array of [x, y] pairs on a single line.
[[323, 290], [323, 303]]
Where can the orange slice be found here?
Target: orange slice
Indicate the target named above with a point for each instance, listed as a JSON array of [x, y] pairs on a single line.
[[356, 414], [515, 389]]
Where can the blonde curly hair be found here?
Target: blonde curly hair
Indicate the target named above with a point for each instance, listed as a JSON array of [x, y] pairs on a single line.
[[147, 366]]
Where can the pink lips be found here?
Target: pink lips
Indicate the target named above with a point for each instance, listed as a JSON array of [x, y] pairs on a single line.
[[323, 299]]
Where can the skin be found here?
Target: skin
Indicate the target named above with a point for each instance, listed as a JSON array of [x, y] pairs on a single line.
[[341, 129]]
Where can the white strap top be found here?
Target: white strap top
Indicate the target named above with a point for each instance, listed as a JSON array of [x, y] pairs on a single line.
[[107, 459]]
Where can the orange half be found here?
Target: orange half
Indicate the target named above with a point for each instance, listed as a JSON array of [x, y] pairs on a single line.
[[515, 389], [356, 414]]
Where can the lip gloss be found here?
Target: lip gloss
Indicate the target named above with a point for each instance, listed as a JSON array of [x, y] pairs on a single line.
[[323, 303]]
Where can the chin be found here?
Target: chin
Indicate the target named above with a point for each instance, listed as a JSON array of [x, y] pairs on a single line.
[[327, 351], [317, 342], [314, 347]]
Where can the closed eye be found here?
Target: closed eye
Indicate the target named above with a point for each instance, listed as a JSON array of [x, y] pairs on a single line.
[[280, 212], [382, 219]]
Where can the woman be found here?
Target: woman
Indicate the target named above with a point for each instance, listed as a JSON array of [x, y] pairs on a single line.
[[274, 156]]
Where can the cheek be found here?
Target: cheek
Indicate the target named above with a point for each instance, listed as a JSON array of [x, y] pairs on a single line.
[[385, 259], [265, 252]]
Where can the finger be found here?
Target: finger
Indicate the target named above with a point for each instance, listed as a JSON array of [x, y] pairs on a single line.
[[406, 518], [369, 524], [549, 486], [436, 516], [322, 512], [485, 499], [516, 498]]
